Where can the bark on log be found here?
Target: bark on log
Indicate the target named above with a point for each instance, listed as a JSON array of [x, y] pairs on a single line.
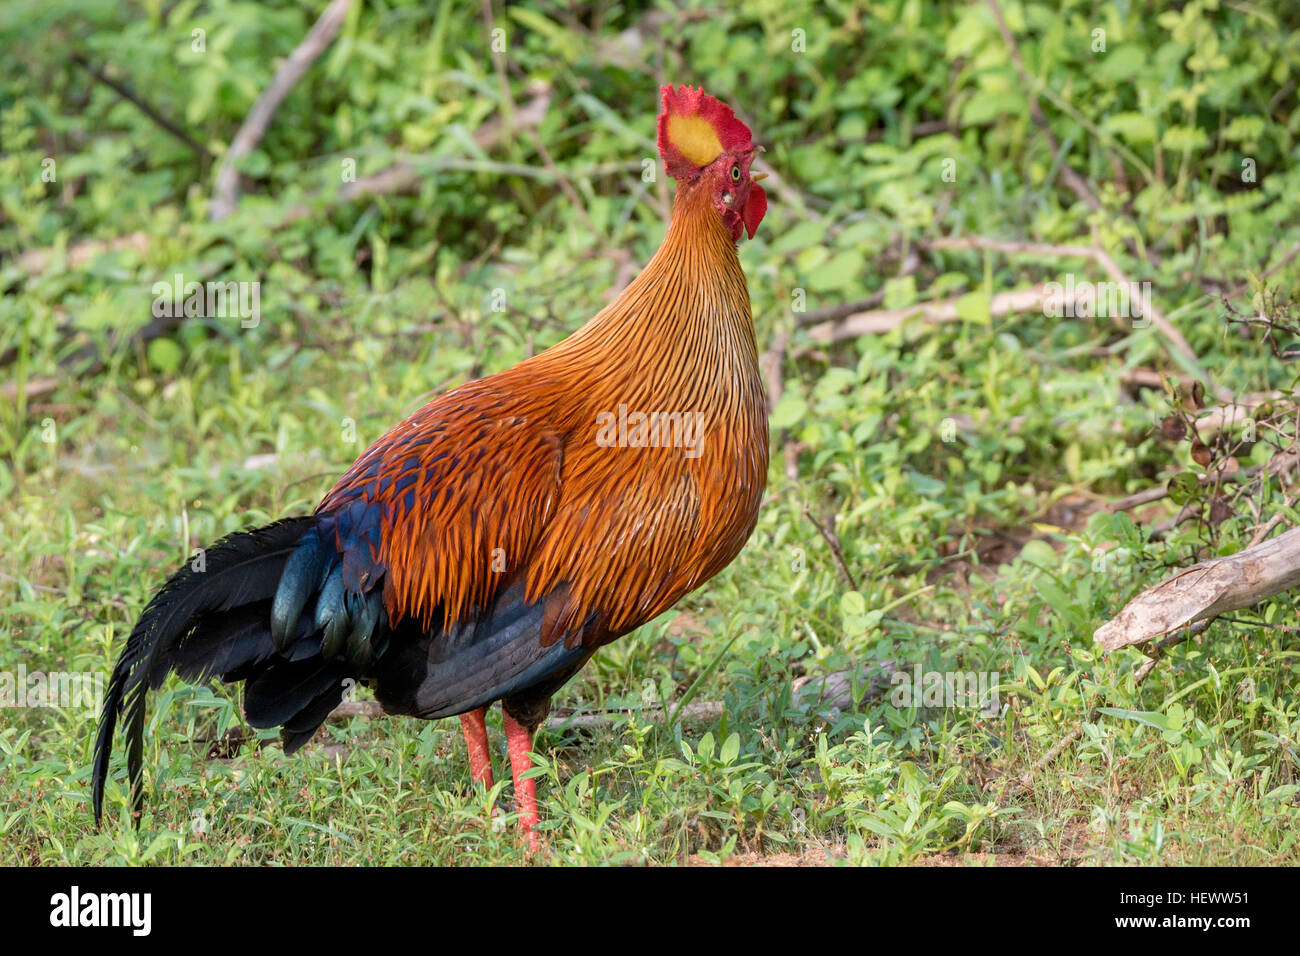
[[1206, 590]]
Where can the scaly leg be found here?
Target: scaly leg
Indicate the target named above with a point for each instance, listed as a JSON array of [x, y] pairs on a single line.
[[519, 741], [476, 742]]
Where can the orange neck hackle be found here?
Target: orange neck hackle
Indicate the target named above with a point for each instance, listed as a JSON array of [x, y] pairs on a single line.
[[691, 293]]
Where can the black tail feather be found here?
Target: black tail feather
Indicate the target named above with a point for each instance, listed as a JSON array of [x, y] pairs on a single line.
[[294, 610], [242, 569], [303, 725], [278, 695]]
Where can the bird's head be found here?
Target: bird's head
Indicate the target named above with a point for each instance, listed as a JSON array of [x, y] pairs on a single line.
[[702, 142]]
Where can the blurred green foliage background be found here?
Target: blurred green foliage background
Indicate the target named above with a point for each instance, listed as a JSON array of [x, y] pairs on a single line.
[[1164, 134]]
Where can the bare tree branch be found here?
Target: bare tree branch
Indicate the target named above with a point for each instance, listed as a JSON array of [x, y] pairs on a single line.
[[322, 34]]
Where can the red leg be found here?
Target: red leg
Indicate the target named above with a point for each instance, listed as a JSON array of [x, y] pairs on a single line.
[[476, 742], [519, 741]]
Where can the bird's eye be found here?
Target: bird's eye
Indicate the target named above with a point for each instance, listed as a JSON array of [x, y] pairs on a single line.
[[735, 174]]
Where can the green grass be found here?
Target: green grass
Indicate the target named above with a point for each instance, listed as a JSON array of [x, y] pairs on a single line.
[[975, 554]]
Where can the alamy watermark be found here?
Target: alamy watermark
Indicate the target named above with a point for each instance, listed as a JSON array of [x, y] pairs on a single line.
[[55, 689], [946, 689], [133, 911], [211, 300], [651, 430], [1086, 300]]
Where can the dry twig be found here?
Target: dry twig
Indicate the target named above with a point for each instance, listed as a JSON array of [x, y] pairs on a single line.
[[319, 37]]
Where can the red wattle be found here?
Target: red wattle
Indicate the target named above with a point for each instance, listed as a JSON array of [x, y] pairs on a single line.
[[755, 209]]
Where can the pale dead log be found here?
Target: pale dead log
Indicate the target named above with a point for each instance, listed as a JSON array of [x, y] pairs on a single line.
[[319, 37], [1206, 590]]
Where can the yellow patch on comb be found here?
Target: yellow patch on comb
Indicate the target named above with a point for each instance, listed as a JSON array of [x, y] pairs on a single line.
[[695, 138]]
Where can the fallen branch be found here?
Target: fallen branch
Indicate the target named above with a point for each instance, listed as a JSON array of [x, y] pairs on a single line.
[[393, 179], [1157, 650], [1276, 467], [1137, 500], [32, 388], [322, 34], [1205, 590], [843, 310], [34, 261], [1103, 259], [406, 175], [1229, 415], [940, 311]]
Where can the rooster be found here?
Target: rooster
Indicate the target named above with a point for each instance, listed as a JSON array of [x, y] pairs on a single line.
[[484, 548]]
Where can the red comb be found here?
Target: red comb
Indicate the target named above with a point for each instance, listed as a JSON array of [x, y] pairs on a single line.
[[732, 135]]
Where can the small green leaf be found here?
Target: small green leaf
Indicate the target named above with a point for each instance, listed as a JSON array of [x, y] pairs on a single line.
[[975, 307], [165, 356]]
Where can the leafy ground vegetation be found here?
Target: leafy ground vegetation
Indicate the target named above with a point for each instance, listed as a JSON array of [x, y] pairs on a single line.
[[423, 210]]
